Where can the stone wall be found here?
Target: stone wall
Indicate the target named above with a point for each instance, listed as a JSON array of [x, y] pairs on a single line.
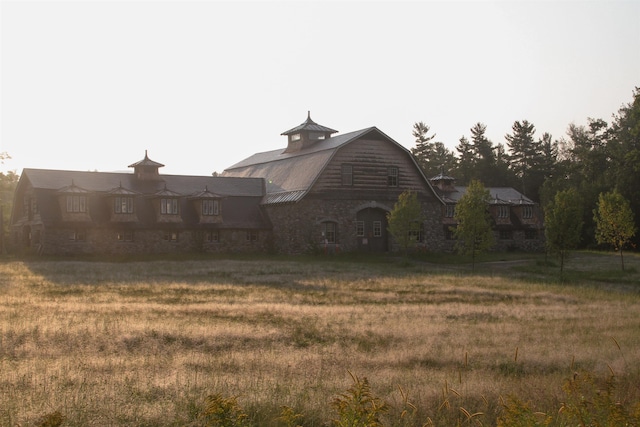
[[297, 226]]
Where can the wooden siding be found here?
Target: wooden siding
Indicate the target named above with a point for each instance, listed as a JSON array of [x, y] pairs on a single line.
[[371, 160]]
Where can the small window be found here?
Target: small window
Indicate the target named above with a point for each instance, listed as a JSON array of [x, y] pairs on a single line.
[[527, 212], [252, 236], [347, 175], [377, 228], [506, 235], [360, 228], [449, 211], [416, 233], [171, 236], [329, 232], [78, 236], [316, 135], [211, 237], [210, 207], [530, 234], [392, 176], [503, 211], [169, 206], [123, 205], [76, 203], [125, 236], [449, 234], [295, 137]]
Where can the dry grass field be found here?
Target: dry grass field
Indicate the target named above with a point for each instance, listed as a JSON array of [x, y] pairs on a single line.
[[144, 342]]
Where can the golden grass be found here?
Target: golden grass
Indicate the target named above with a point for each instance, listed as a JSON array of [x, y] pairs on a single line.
[[143, 343]]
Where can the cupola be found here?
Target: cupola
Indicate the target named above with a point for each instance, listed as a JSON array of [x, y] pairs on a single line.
[[443, 182], [146, 169], [306, 134]]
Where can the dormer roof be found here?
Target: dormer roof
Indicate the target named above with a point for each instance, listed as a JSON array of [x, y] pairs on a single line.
[[72, 189]]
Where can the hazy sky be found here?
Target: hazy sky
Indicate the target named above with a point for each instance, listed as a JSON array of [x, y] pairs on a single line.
[[201, 85]]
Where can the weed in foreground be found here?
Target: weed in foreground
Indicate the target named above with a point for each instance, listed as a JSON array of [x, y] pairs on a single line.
[[358, 407]]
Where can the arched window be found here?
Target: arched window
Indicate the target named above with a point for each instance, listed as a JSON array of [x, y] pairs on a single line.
[[329, 232]]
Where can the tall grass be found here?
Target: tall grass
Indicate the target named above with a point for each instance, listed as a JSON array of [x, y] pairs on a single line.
[[155, 342]]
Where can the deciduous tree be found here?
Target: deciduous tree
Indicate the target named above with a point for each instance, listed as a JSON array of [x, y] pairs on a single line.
[[405, 220], [563, 223], [614, 221], [473, 231]]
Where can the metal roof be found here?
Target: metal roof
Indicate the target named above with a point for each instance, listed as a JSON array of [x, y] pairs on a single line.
[[498, 196], [309, 125], [108, 181]]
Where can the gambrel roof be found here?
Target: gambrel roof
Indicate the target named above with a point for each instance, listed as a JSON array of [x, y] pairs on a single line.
[[290, 175]]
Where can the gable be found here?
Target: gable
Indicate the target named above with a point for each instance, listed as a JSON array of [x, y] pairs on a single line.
[[290, 176]]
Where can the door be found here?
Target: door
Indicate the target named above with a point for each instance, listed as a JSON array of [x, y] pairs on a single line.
[[372, 230]]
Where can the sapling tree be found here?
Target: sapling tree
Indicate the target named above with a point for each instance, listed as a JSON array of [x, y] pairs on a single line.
[[473, 231], [405, 220], [614, 221], [563, 223]]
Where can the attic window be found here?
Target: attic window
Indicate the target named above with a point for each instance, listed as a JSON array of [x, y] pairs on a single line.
[[295, 137], [210, 207], [316, 135], [76, 204]]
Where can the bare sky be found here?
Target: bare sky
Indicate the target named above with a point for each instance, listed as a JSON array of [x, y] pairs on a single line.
[[201, 85]]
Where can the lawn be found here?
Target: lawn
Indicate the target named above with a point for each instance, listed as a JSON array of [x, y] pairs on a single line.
[[145, 342]]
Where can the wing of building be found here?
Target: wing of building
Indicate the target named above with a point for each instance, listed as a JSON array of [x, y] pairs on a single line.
[[72, 212], [321, 192]]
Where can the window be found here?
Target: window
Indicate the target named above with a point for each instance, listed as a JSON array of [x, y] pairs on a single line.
[[169, 206], [125, 236], [295, 137], [449, 211], [171, 236], [347, 175], [30, 207], [210, 207], [416, 234], [329, 232], [123, 204], [503, 211], [530, 234], [211, 236], [449, 234], [377, 228], [78, 236], [527, 212], [316, 135], [506, 235], [360, 228], [76, 203], [252, 236], [392, 176]]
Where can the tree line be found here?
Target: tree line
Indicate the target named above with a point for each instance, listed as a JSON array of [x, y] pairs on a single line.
[[593, 159]]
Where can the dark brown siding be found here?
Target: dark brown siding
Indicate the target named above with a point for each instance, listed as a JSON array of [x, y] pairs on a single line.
[[371, 160]]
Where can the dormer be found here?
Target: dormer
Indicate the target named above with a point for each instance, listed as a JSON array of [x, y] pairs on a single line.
[[122, 201], [74, 203], [146, 169], [306, 134], [207, 204]]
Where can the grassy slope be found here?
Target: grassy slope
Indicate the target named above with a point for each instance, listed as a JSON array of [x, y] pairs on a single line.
[[143, 342]]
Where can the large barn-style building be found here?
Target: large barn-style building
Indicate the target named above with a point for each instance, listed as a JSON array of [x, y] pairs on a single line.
[[321, 193]]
